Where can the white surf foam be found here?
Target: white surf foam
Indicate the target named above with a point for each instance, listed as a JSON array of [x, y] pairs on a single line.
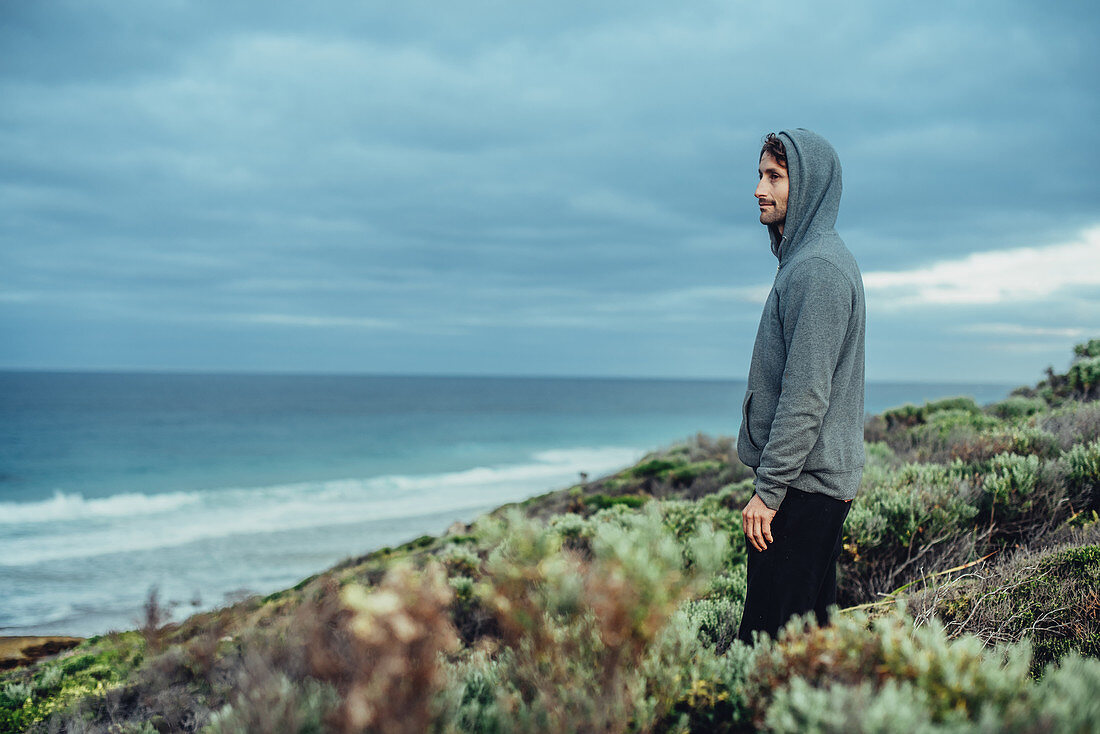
[[71, 526]]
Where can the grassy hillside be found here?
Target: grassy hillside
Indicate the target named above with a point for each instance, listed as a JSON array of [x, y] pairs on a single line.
[[968, 584]]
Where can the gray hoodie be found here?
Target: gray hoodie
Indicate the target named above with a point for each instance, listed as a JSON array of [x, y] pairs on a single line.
[[802, 416]]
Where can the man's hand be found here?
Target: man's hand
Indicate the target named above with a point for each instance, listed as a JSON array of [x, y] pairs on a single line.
[[756, 521]]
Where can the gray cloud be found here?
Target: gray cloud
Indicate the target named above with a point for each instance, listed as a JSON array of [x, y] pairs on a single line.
[[492, 187]]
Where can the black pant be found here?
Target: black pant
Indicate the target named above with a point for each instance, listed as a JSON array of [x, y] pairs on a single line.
[[796, 573]]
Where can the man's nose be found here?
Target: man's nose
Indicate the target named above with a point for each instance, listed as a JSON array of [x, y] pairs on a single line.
[[758, 193]]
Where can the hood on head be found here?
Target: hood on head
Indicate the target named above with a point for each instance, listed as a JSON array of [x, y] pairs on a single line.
[[813, 169]]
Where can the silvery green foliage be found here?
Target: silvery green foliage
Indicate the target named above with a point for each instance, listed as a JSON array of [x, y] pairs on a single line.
[[559, 611], [1033, 440], [1010, 483], [1065, 700], [1073, 423], [276, 704], [929, 499], [861, 709], [1017, 407], [15, 693], [470, 702], [959, 677], [716, 619], [460, 560], [689, 685], [1083, 465]]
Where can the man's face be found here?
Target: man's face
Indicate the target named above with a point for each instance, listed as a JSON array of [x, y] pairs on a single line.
[[771, 192]]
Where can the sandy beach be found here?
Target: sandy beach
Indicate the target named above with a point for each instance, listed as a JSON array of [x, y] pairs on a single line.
[[19, 651]]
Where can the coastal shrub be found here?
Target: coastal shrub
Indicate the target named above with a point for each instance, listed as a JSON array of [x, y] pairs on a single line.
[[913, 521], [684, 517], [12, 695], [460, 560], [1009, 486], [1022, 496], [602, 501], [468, 614], [1084, 377], [879, 454], [703, 447], [1020, 439], [956, 680], [380, 649], [1064, 700], [903, 416], [908, 415], [960, 403], [471, 701], [1091, 348], [574, 531], [29, 697], [1015, 408], [576, 630], [689, 685], [717, 618], [730, 584], [656, 467], [1034, 441], [268, 701], [683, 476], [942, 424], [935, 439], [1049, 597], [1082, 474], [802, 708], [874, 429], [1073, 423]]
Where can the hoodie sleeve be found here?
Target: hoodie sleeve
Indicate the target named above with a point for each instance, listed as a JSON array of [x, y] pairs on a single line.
[[815, 309]]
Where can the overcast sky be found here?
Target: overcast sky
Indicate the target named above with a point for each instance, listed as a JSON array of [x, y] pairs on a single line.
[[552, 188]]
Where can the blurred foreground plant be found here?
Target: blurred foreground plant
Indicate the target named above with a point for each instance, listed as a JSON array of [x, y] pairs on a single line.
[[381, 649], [576, 630]]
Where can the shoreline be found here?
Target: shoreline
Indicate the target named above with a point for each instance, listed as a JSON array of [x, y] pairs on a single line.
[[18, 651]]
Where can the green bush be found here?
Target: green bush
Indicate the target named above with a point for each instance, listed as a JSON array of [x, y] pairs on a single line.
[[690, 685], [903, 416], [916, 511], [1017, 407], [945, 681], [52, 687], [576, 630], [916, 501], [942, 423], [1010, 486], [717, 619], [1046, 597], [460, 561], [275, 703], [1091, 348], [602, 501], [655, 467], [1064, 700], [688, 473], [1073, 423], [1082, 473], [1084, 375]]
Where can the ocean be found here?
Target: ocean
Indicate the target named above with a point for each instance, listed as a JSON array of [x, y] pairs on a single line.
[[210, 487]]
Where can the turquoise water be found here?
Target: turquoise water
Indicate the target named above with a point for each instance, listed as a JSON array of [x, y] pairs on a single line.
[[212, 486]]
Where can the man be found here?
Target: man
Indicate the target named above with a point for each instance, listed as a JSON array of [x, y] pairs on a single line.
[[802, 415]]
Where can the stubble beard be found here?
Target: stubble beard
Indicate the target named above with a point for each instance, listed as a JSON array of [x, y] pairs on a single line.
[[773, 216]]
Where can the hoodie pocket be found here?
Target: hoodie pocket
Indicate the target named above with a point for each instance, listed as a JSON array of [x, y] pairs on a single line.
[[745, 418]]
